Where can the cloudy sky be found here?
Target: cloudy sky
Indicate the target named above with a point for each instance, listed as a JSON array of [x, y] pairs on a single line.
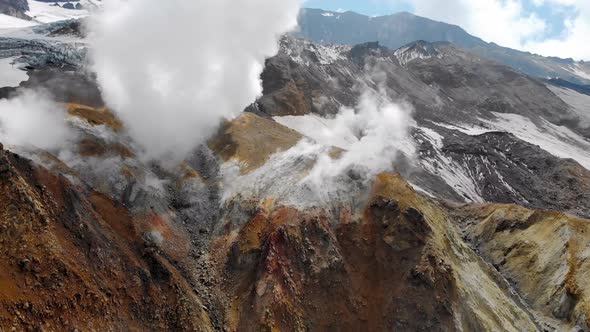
[[548, 27]]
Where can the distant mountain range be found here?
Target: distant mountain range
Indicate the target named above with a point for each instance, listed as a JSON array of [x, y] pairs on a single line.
[[397, 30]]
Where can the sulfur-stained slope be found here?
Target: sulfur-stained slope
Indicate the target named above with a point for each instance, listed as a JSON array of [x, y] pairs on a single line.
[[399, 264], [250, 140], [72, 259], [545, 255]]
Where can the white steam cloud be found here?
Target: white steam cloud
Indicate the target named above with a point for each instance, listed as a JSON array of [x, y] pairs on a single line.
[[378, 132], [373, 136], [173, 69], [32, 119]]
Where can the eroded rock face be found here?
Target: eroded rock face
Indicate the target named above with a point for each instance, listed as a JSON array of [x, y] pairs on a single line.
[[543, 253], [315, 276], [378, 269], [535, 178], [72, 259]]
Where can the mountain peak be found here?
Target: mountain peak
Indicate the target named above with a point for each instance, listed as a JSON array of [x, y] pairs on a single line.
[[417, 50]]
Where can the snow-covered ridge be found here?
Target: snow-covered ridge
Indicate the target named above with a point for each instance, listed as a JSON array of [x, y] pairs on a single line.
[[579, 102], [48, 12], [299, 50], [9, 22], [577, 70], [559, 141], [418, 50]]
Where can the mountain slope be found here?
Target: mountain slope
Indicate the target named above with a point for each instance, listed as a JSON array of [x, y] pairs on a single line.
[[393, 31], [397, 30], [518, 241], [72, 258], [460, 101], [261, 264], [232, 239]]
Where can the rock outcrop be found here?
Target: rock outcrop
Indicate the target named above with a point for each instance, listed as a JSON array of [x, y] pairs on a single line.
[[544, 254], [16, 8]]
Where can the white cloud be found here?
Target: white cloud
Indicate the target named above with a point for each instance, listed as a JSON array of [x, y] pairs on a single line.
[[501, 21], [574, 41], [173, 69], [507, 23]]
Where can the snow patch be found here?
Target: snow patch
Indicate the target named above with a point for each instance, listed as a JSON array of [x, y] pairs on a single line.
[[458, 176], [329, 132], [326, 14], [469, 129], [47, 12], [319, 129], [406, 55], [11, 75], [372, 136], [325, 54], [578, 71], [421, 190], [560, 141], [580, 103], [9, 22]]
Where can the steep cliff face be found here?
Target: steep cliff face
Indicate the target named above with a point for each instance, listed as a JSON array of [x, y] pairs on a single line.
[[543, 253], [377, 265], [73, 259], [396, 264]]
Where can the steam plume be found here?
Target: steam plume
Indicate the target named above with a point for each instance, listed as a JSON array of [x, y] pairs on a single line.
[[173, 69], [32, 119], [380, 131], [373, 135]]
